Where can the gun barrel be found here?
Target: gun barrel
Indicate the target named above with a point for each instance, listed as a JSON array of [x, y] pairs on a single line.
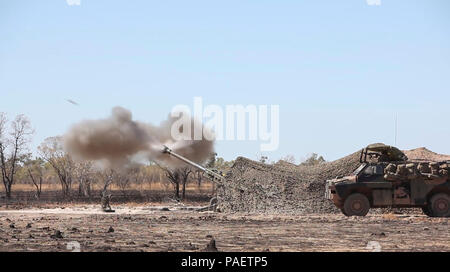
[[170, 152], [214, 176]]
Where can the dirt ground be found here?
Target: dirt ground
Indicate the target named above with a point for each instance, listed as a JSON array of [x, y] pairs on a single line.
[[150, 229]]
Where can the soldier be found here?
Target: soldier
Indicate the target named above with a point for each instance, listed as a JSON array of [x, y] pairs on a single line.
[[106, 198], [443, 172], [424, 168], [412, 171], [430, 170], [402, 171], [390, 172], [401, 190], [434, 168]]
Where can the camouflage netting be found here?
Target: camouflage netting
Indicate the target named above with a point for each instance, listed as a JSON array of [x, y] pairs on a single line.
[[288, 188]]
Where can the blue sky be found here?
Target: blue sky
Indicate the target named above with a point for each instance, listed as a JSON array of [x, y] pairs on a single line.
[[340, 70]]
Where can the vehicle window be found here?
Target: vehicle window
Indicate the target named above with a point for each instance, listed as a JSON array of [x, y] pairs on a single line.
[[379, 170], [374, 170], [360, 168], [369, 170]]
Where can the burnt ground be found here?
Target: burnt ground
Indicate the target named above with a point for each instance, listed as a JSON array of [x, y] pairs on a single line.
[[150, 229], [288, 213], [21, 198]]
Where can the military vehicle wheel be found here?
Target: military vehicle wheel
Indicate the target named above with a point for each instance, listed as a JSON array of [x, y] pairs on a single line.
[[426, 211], [343, 211], [440, 205], [356, 205]]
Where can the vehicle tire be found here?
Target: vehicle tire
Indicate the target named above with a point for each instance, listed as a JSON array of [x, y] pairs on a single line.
[[440, 205], [426, 211], [356, 205], [343, 211]]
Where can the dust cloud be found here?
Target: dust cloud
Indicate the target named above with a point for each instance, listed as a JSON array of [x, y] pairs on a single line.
[[119, 141]]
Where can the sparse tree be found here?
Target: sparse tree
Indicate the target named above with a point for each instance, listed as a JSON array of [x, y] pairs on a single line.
[[216, 163], [107, 177], [150, 174], [313, 159], [263, 159], [83, 172], [13, 148], [178, 177], [141, 174], [222, 165], [63, 165], [174, 178], [212, 164], [35, 171], [123, 179], [289, 159], [184, 175], [199, 177]]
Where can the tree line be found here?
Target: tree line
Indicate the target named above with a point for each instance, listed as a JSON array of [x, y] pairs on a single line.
[[77, 178]]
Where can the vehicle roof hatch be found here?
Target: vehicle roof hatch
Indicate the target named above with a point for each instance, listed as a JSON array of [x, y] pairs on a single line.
[[385, 152]]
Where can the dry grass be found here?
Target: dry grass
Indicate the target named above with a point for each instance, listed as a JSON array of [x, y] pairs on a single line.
[[389, 216], [159, 186]]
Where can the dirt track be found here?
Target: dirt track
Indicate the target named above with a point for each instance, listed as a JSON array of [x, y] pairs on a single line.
[[149, 229]]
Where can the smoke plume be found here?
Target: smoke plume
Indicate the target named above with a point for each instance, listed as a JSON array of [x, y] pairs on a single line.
[[119, 141]]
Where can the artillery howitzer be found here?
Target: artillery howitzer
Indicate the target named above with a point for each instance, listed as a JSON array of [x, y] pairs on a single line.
[[214, 175]]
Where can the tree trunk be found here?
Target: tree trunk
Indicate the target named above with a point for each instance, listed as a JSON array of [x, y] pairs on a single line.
[[80, 189], [88, 191], [199, 179], [38, 189], [177, 190], [36, 184], [65, 187], [8, 191], [184, 190], [38, 192]]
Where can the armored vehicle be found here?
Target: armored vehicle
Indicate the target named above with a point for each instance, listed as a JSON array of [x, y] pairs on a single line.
[[386, 178]]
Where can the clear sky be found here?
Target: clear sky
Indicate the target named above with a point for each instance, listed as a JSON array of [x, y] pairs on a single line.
[[340, 70]]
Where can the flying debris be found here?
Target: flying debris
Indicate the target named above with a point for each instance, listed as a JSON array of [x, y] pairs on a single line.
[[72, 102]]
